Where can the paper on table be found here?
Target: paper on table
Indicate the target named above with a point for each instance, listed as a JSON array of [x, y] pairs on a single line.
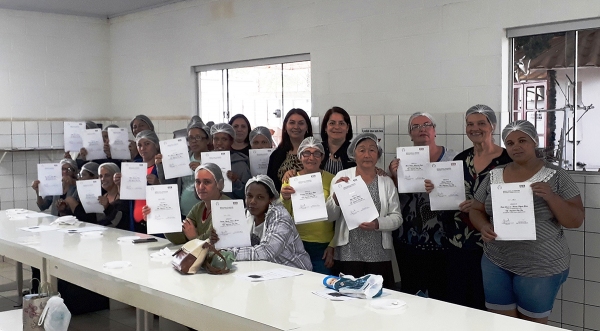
[[332, 295], [449, 185], [259, 276], [50, 177], [259, 161], [412, 167], [83, 229], [73, 136], [230, 223], [39, 228], [94, 144], [308, 203], [165, 216], [356, 202], [133, 180], [513, 211], [176, 161], [89, 191], [223, 160], [118, 141], [21, 217]]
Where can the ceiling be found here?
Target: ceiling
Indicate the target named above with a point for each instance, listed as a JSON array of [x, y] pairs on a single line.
[[92, 8]]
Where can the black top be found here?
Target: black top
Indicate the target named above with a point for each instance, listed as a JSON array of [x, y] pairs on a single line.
[[341, 153], [275, 161], [245, 150]]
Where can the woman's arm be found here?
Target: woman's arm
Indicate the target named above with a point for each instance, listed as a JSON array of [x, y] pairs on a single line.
[[481, 221], [277, 234], [393, 219], [568, 212]]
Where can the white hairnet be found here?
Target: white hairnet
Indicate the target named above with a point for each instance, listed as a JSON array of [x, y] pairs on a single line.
[[224, 128], [71, 164], [150, 135], [360, 138], [112, 168], [197, 123], [521, 125], [258, 131], [214, 169], [110, 126], [265, 180], [310, 142], [485, 110], [417, 114], [91, 167]]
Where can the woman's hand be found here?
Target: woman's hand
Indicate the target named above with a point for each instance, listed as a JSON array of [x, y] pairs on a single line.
[[189, 230], [146, 210], [158, 159], [214, 237], [103, 200], [429, 186], [36, 186], [71, 203], [370, 226], [286, 192], [393, 167], [487, 233], [232, 176], [194, 165], [83, 153], [380, 172], [117, 179], [106, 149], [328, 256], [152, 179], [132, 149], [543, 190], [334, 197], [288, 174], [67, 155], [465, 206]]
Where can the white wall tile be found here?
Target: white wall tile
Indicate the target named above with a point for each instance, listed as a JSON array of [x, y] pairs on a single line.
[[19, 167], [573, 290], [20, 193], [6, 194], [31, 127], [592, 269], [391, 142], [31, 140], [5, 141], [362, 122], [45, 127], [21, 204], [575, 241], [454, 142], [58, 127], [353, 121], [18, 141], [591, 222], [556, 313], [455, 124], [377, 121], [572, 313], [592, 293], [45, 140], [391, 124], [6, 168], [577, 267], [18, 127], [20, 181], [8, 205], [316, 125], [592, 248], [592, 179], [592, 193], [404, 140], [592, 317], [5, 127], [58, 140], [403, 124], [6, 181]]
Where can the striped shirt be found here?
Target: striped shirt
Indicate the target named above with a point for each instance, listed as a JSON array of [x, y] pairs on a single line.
[[333, 166], [280, 242], [549, 253]]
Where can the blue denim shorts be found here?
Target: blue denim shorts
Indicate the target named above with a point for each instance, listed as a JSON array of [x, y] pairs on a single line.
[[531, 296]]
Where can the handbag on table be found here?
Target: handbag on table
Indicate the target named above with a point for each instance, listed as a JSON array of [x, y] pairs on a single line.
[[194, 254]]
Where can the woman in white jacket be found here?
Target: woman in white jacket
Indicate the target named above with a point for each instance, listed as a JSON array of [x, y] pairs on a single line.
[[368, 248]]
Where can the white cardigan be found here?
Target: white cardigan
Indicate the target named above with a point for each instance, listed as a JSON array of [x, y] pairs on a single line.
[[389, 217]]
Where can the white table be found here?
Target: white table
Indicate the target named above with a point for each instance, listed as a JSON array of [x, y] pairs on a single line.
[[223, 302], [11, 320]]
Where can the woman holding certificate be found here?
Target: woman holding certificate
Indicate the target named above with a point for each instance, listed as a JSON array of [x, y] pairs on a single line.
[[367, 247], [296, 127], [242, 128], [316, 236], [420, 243], [57, 204], [223, 136], [522, 277], [261, 138]]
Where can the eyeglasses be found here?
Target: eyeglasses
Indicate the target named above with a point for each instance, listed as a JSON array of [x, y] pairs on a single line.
[[316, 154], [68, 170], [424, 125], [196, 138]]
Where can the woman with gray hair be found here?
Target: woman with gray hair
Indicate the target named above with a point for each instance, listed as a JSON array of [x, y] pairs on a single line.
[[198, 222], [521, 278], [368, 248], [273, 236], [420, 243], [316, 236], [57, 204]]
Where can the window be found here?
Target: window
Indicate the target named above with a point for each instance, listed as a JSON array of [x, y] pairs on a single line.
[[263, 90], [556, 76]]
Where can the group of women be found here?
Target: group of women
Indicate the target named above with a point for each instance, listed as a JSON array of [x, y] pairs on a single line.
[[449, 255]]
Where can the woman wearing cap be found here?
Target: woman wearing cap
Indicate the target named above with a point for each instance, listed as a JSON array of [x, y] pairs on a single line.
[[148, 147], [261, 138], [242, 128], [223, 136], [198, 138], [368, 248], [465, 285], [316, 236], [198, 223], [420, 243], [296, 127], [336, 131], [521, 278], [88, 171], [274, 236], [138, 124], [57, 205]]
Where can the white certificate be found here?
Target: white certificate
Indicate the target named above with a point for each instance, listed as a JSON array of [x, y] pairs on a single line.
[[412, 168], [94, 145], [133, 180], [50, 177], [73, 136], [118, 141], [513, 213], [448, 179], [89, 191], [356, 202], [175, 158], [308, 202], [230, 223], [164, 216], [223, 160], [259, 161]]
